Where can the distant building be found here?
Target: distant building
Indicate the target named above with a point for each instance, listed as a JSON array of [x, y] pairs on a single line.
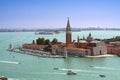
[[80, 47], [113, 47]]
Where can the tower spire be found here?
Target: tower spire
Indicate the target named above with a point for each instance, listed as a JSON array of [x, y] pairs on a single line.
[[68, 33], [68, 28], [68, 23]]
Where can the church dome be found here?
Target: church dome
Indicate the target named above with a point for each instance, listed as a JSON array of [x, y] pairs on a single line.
[[89, 38]]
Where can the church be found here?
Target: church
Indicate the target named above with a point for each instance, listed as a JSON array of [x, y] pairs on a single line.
[[79, 47]]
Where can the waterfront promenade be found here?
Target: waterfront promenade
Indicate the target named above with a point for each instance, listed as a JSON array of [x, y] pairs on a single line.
[[48, 54], [34, 53], [100, 56]]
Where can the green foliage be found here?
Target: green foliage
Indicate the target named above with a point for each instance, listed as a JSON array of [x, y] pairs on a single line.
[[40, 41], [48, 48], [117, 38], [47, 41], [33, 42], [98, 39], [54, 41]]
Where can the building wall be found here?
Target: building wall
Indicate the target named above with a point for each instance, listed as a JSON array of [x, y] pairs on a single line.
[[57, 50], [79, 52], [54, 48], [113, 49], [68, 38], [73, 52], [33, 46], [100, 49], [117, 43], [82, 45]]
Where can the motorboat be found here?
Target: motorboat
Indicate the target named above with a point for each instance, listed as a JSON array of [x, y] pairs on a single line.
[[102, 75], [70, 72], [56, 68], [91, 66]]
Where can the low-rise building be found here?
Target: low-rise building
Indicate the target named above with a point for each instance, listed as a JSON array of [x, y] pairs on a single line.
[[113, 49], [34, 46], [89, 49]]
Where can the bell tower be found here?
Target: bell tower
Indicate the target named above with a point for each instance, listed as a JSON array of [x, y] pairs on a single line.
[[68, 33]]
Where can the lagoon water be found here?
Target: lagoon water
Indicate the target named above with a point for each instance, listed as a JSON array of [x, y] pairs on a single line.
[[37, 68]]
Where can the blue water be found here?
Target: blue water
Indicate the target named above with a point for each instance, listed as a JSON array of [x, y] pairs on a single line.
[[37, 68]]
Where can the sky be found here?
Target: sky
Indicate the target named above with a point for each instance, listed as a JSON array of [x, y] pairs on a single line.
[[52, 14]]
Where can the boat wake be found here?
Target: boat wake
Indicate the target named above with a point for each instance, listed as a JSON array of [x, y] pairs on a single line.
[[79, 70], [51, 73], [13, 79], [10, 62], [105, 68], [58, 73]]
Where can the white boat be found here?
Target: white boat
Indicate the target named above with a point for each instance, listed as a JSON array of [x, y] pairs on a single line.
[[70, 72]]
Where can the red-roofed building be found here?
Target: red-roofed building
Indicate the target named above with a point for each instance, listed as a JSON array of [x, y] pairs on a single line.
[[81, 47]]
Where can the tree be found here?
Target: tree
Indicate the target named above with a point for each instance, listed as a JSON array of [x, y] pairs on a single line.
[[47, 41], [40, 41], [54, 41], [33, 42], [48, 48], [117, 38]]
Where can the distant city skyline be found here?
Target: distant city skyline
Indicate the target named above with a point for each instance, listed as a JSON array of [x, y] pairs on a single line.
[[50, 14]]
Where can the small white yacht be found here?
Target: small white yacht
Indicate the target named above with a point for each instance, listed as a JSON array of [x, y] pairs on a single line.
[[70, 72]]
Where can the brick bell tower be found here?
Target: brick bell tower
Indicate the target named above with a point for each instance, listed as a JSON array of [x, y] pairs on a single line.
[[68, 33]]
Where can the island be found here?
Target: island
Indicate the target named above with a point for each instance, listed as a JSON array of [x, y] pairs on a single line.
[[80, 47]]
